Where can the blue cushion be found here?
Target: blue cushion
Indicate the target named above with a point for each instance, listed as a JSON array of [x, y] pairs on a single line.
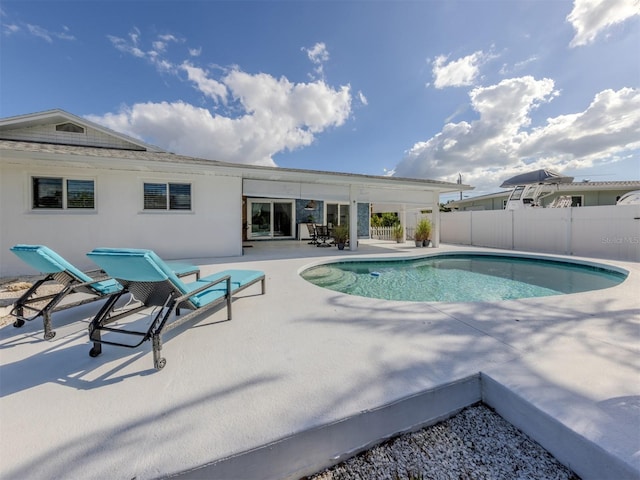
[[206, 296], [181, 268], [107, 287], [176, 267], [138, 265], [135, 265], [239, 278], [45, 260]]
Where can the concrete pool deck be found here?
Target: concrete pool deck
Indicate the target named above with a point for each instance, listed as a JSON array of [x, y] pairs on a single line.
[[303, 359]]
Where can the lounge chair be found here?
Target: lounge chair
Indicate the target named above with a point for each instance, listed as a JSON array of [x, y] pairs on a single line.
[[95, 283], [152, 283]]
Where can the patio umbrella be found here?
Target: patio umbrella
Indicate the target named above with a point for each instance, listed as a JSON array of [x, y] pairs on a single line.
[[537, 176]]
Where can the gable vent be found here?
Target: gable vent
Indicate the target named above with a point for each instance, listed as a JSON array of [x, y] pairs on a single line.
[[69, 127]]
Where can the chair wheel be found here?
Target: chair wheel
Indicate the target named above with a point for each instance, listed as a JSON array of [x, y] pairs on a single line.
[[18, 323], [94, 352], [49, 336], [161, 363]]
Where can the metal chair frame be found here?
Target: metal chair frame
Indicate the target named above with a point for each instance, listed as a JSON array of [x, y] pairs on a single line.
[[70, 285], [162, 294]]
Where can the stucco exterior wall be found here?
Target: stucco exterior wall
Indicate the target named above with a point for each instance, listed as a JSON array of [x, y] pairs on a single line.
[[213, 227]]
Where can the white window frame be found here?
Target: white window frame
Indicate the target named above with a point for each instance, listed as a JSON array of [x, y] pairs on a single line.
[[167, 208], [65, 194], [270, 235], [340, 205]]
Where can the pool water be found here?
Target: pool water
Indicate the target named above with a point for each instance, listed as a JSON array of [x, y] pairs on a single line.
[[461, 278]]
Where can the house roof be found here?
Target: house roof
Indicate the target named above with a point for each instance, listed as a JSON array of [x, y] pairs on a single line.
[[57, 116]]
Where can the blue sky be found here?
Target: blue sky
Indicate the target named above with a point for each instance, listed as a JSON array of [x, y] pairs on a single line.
[[426, 89]]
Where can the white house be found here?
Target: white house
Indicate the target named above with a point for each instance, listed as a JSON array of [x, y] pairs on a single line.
[[74, 185]]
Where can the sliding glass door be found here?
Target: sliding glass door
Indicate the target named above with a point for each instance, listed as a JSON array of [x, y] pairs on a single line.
[[270, 219], [260, 214], [337, 214]]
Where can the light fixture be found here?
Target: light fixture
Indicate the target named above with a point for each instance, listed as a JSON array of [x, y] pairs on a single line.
[[311, 205]]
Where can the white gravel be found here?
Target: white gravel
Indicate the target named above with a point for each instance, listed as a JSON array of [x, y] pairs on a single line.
[[475, 444]]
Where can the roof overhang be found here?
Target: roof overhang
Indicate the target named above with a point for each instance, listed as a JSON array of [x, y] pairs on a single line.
[[257, 180]]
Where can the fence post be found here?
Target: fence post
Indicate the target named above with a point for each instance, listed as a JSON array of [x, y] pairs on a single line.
[[568, 250], [513, 230]]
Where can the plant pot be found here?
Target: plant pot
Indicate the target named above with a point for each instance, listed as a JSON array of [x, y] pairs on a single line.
[[419, 243], [426, 243], [341, 246]]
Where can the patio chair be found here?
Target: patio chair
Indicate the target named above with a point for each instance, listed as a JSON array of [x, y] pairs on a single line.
[[74, 281], [311, 228], [324, 234], [152, 283]]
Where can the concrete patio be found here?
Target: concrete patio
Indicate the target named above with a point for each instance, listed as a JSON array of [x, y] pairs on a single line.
[[305, 371]]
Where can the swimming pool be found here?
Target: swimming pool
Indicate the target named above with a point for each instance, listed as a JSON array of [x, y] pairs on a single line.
[[462, 277]]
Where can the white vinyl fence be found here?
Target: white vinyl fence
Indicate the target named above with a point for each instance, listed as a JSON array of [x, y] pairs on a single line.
[[386, 233], [609, 231]]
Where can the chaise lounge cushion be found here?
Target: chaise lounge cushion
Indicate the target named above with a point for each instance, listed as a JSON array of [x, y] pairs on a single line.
[[138, 265], [45, 260], [239, 278]]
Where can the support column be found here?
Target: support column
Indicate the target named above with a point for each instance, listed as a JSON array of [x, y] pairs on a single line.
[[403, 221], [353, 218], [435, 215]]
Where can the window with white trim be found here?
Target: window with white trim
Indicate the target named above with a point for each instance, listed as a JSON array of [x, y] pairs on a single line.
[[167, 196], [62, 193]]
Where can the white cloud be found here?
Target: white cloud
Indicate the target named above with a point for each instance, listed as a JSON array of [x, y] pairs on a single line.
[[457, 73], [278, 115], [122, 45], [260, 115], [46, 35], [209, 86], [507, 70], [319, 55], [609, 125], [500, 143], [161, 43], [132, 46], [10, 29], [591, 17]]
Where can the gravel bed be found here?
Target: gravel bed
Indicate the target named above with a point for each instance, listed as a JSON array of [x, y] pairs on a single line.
[[475, 444]]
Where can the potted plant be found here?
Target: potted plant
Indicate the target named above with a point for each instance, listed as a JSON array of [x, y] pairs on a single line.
[[398, 232], [423, 233], [340, 235]]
